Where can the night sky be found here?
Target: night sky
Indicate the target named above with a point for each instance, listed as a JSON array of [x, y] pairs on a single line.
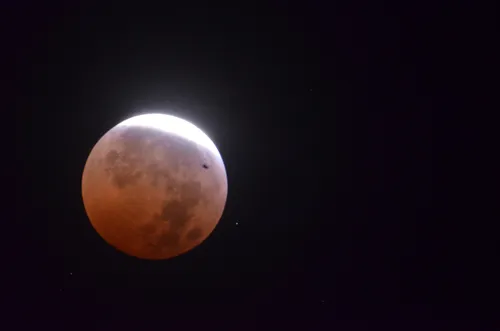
[[323, 116]]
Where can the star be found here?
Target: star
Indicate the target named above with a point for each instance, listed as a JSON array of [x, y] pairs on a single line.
[[237, 223], [71, 274]]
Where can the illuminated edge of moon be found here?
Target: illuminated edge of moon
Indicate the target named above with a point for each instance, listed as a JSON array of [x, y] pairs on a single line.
[[175, 125]]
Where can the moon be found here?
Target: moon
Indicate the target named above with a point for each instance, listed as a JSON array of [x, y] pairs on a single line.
[[154, 186]]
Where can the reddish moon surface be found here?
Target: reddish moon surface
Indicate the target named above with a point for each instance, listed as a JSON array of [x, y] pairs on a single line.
[[154, 186]]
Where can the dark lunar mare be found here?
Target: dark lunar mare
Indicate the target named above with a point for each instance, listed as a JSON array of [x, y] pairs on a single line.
[[128, 165]]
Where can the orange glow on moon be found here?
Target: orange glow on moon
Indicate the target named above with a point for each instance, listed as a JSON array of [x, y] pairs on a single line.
[[154, 186]]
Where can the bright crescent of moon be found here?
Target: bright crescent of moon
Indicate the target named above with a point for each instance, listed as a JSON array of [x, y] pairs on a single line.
[[175, 125]]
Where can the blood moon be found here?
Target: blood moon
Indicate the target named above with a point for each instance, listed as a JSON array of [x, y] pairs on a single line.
[[154, 186]]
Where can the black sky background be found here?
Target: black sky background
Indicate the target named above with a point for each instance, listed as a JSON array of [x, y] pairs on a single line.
[[323, 114]]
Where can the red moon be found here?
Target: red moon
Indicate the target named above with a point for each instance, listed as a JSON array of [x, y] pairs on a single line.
[[154, 186]]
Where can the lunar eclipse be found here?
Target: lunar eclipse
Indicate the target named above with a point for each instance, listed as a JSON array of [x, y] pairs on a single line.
[[154, 186]]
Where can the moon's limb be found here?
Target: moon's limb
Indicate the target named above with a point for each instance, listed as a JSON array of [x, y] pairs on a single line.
[[147, 192]]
